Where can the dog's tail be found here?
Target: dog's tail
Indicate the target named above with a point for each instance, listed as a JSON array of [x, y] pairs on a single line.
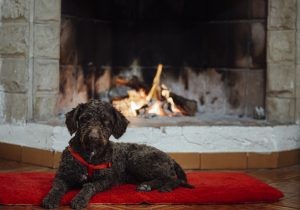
[[181, 176]]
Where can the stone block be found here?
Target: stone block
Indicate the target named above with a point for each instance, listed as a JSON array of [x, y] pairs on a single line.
[[262, 160], [289, 158], [46, 40], [282, 14], [255, 91], [297, 81], [235, 91], [187, 160], [14, 75], [14, 107], [15, 10], [47, 10], [298, 16], [298, 45], [280, 110], [14, 40], [281, 80], [44, 107], [236, 160], [281, 46], [37, 156], [46, 74], [259, 8], [297, 112]]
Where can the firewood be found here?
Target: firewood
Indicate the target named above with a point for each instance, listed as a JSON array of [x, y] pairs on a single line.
[[187, 105], [155, 84]]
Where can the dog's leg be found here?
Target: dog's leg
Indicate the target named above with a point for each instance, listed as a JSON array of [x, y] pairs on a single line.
[[52, 199], [88, 190], [169, 185], [149, 185], [163, 185]]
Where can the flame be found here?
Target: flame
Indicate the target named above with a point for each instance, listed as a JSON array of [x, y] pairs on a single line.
[[157, 108], [137, 103], [75, 90]]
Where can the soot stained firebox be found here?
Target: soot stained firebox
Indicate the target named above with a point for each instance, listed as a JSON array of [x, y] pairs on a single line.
[[213, 53]]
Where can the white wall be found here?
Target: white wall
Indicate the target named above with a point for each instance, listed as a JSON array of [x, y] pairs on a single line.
[[263, 139]]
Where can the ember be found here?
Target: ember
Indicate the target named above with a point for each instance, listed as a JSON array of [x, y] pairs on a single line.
[[158, 101]]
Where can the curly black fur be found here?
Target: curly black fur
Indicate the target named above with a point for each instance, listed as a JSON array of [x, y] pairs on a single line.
[[93, 123]]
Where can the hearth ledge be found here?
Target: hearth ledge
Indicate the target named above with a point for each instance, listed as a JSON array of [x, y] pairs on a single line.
[[183, 139]]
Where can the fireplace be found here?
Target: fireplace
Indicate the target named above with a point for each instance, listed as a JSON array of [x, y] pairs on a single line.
[[213, 53], [237, 59], [233, 57]]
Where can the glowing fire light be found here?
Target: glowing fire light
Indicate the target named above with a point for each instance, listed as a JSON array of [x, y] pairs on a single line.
[[157, 108], [137, 100]]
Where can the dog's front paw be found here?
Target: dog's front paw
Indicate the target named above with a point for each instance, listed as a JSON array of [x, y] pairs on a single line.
[[78, 202], [143, 188], [49, 202]]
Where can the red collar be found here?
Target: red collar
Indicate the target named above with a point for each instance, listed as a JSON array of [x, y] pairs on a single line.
[[90, 167]]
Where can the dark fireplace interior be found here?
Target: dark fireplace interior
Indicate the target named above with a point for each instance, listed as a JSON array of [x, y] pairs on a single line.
[[213, 54]]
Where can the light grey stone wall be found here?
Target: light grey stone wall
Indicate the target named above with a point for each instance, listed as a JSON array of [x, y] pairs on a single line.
[[281, 94], [14, 74], [46, 41], [297, 77], [29, 59]]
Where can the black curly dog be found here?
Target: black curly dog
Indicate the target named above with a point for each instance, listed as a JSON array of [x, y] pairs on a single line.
[[94, 164]]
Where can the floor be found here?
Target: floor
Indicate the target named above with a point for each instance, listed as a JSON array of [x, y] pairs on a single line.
[[285, 179]]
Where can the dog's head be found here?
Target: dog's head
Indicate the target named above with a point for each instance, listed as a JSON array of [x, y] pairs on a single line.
[[95, 122]]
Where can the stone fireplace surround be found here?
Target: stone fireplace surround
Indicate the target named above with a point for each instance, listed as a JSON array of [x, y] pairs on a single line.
[[29, 77]]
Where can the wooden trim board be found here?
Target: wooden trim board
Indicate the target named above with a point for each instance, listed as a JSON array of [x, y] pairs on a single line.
[[234, 160]]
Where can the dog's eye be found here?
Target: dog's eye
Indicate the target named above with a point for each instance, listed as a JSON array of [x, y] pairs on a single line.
[[83, 119]]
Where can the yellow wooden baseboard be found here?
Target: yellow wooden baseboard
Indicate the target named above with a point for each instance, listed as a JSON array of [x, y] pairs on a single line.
[[231, 160]]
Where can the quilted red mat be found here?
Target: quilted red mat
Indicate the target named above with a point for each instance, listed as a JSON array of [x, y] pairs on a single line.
[[211, 188]]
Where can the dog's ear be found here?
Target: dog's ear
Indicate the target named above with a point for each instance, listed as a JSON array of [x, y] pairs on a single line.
[[120, 124], [72, 118]]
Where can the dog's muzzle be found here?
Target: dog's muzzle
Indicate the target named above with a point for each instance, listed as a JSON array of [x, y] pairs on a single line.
[[94, 135]]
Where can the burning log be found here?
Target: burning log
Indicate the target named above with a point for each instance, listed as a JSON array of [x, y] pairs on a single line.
[[115, 93], [159, 101], [155, 84], [188, 106]]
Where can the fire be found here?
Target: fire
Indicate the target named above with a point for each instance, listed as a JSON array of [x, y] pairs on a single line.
[[132, 97], [158, 101], [157, 108], [137, 104]]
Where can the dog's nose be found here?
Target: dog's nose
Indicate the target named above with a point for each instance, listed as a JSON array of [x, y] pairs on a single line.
[[94, 134]]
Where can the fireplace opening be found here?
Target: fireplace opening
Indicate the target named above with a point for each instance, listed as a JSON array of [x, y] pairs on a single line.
[[213, 56]]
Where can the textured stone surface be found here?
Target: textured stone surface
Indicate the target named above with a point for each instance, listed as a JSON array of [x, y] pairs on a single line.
[[281, 46], [46, 74], [46, 40], [44, 107], [297, 112], [15, 107], [281, 80], [282, 14], [47, 10], [280, 110], [197, 139], [14, 39], [236, 82], [15, 10], [255, 91], [297, 89], [298, 16], [298, 45], [14, 75]]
